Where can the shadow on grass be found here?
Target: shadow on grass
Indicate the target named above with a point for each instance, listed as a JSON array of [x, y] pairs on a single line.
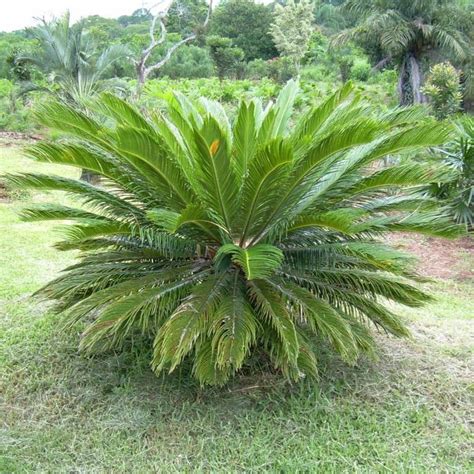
[[93, 413], [55, 364]]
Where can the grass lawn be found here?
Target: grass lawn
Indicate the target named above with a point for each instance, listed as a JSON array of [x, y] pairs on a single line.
[[409, 411]]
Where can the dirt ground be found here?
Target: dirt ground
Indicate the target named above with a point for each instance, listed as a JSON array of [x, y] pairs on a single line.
[[439, 258]]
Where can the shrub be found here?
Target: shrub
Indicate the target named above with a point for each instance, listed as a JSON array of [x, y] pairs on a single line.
[[444, 90], [228, 91], [227, 58], [6, 88], [189, 62], [281, 69], [257, 69], [360, 70], [318, 74], [458, 193], [219, 240]]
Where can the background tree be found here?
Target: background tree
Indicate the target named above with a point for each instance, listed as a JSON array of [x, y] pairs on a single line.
[[72, 62], [142, 66], [186, 16], [12, 46], [139, 16], [190, 62], [247, 24], [329, 17], [292, 29], [227, 58], [406, 31]]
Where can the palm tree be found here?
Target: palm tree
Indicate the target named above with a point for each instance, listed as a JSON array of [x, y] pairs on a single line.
[[73, 63], [71, 59], [407, 31], [220, 240], [458, 193]]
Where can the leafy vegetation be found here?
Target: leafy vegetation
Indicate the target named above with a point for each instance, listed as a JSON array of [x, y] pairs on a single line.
[[458, 193], [247, 25], [409, 410], [187, 44], [220, 239], [443, 87], [227, 58], [405, 31], [237, 232], [71, 59], [292, 29]]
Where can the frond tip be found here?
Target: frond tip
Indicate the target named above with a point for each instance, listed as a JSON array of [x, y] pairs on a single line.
[[219, 240]]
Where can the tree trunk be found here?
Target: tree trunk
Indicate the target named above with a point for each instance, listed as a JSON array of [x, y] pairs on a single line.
[[416, 77], [410, 82], [141, 73]]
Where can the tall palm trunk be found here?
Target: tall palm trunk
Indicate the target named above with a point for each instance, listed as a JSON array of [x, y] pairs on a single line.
[[410, 81]]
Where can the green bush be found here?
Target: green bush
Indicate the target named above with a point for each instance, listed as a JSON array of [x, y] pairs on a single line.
[[281, 69], [458, 193], [444, 90], [189, 62], [227, 58], [15, 113], [318, 73], [220, 240], [228, 91], [360, 70], [6, 88], [257, 69]]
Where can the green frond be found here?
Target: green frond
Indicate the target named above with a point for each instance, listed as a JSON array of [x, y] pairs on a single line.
[[180, 332], [122, 112], [429, 223], [56, 212], [63, 117], [340, 220], [402, 176], [321, 317], [273, 308], [263, 186], [245, 134], [218, 187], [258, 261], [150, 158], [73, 154], [284, 108], [316, 117], [93, 196], [233, 327]]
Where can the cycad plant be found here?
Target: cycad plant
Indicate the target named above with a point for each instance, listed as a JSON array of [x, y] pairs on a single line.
[[71, 59], [458, 193], [219, 239]]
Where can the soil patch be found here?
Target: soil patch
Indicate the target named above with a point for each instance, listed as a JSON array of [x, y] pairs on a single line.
[[439, 258]]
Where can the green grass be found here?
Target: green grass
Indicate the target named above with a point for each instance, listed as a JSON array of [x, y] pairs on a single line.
[[62, 412]]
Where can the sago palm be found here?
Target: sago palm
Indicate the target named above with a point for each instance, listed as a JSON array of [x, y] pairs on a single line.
[[71, 59], [459, 193], [220, 239]]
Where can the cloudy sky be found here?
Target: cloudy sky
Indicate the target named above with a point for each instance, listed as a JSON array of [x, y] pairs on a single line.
[[17, 14]]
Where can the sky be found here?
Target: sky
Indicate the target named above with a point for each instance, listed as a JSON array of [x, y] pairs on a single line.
[[17, 14]]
